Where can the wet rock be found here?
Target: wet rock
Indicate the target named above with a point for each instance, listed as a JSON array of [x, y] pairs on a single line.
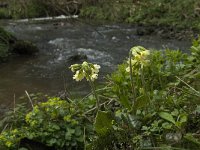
[[114, 38], [25, 48], [141, 31], [77, 57]]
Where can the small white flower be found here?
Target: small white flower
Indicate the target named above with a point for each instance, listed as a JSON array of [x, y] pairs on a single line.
[[145, 53], [128, 69], [78, 76], [95, 69], [97, 66], [94, 77], [85, 70]]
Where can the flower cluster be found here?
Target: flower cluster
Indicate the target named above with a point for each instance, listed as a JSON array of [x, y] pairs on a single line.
[[85, 70], [139, 57]]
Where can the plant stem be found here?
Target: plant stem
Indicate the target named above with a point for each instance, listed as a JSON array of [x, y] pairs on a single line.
[[29, 99], [131, 77], [94, 93]]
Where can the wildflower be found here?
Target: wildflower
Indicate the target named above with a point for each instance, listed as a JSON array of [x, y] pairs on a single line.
[[85, 70], [145, 53], [78, 76], [96, 68], [137, 49], [139, 57], [94, 76], [128, 69]]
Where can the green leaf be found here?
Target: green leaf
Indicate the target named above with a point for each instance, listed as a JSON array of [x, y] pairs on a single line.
[[56, 127], [125, 101], [167, 116], [52, 141], [78, 131], [23, 148], [192, 139], [103, 122], [141, 102], [183, 118], [167, 125]]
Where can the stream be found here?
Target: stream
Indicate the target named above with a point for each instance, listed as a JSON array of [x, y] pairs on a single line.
[[47, 72]]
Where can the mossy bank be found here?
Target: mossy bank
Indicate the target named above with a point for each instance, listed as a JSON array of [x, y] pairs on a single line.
[[10, 45]]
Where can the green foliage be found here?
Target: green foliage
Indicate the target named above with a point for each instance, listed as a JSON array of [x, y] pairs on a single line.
[[157, 100], [106, 10], [38, 8], [55, 123], [179, 13], [103, 122], [26, 9], [151, 101], [4, 14]]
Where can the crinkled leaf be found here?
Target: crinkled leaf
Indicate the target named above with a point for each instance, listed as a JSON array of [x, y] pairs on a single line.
[[125, 101], [103, 122]]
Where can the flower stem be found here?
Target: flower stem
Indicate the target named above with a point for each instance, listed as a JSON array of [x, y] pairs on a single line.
[[94, 93], [131, 77]]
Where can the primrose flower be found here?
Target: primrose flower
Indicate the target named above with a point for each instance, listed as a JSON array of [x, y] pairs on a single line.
[[94, 76], [85, 70], [139, 57], [137, 49], [145, 53], [128, 69], [78, 76], [95, 68]]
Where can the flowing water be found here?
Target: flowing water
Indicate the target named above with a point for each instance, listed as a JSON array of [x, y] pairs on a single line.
[[106, 45]]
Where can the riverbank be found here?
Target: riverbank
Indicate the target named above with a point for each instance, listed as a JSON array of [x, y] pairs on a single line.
[[177, 14]]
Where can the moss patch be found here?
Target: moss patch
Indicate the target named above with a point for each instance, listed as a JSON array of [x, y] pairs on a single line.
[[6, 42]]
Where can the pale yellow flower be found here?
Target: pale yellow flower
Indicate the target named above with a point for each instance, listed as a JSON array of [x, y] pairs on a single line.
[[95, 69], [85, 70], [145, 53], [128, 69], [78, 76], [94, 76], [139, 57]]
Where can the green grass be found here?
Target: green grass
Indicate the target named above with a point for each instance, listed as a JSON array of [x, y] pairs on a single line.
[[181, 14]]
